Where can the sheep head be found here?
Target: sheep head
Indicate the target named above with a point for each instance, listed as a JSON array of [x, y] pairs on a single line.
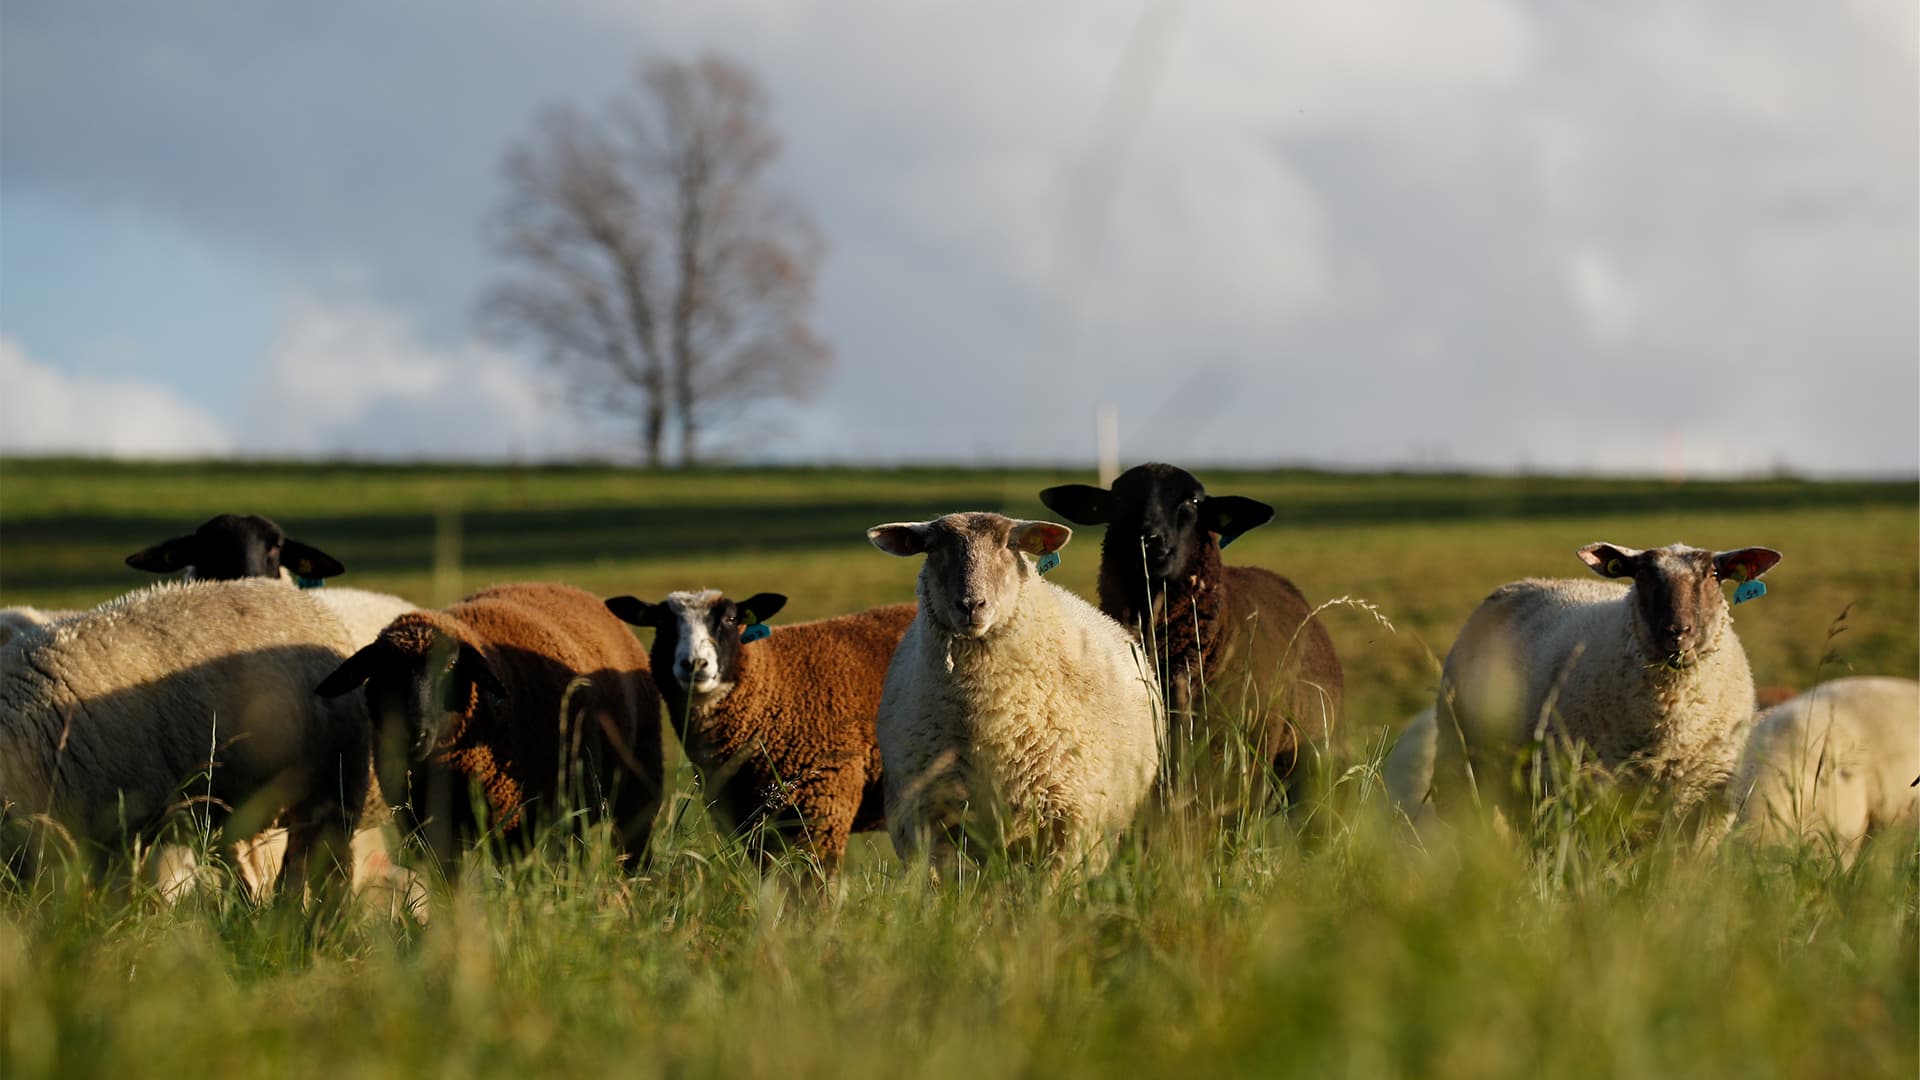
[[697, 635], [230, 546], [1159, 518], [1679, 611], [975, 572], [423, 682]]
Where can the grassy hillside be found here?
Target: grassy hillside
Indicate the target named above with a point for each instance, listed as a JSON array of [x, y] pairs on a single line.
[[1328, 946]]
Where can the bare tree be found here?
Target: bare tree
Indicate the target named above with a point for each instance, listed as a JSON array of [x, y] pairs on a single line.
[[653, 259]]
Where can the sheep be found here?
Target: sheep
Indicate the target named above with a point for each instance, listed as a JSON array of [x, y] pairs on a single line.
[[15, 621], [519, 690], [1240, 640], [231, 546], [198, 692], [782, 731], [1646, 673], [1840, 761], [1011, 704], [1407, 772]]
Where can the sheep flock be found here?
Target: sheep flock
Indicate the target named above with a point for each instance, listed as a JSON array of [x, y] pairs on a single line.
[[328, 735]]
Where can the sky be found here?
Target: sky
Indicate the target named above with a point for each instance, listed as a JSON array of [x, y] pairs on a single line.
[[1639, 237]]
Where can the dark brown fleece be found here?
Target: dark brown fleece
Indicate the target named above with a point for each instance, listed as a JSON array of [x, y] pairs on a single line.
[[580, 716], [793, 743], [1235, 634]]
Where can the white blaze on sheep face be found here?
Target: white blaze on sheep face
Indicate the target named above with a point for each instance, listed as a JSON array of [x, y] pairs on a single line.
[[696, 655]]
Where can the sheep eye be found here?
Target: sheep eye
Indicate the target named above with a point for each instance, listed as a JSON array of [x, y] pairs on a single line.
[[729, 619]]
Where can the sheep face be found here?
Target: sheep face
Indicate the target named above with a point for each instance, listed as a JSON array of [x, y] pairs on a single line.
[[1679, 611], [697, 634], [420, 684], [1158, 517], [974, 573], [229, 547]]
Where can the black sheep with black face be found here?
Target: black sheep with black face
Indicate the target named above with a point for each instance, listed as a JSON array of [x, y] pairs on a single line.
[[233, 546], [1240, 651]]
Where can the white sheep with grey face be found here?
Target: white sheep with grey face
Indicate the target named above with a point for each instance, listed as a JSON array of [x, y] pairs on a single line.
[[1644, 670], [1014, 712]]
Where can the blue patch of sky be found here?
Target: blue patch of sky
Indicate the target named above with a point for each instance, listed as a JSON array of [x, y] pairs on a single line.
[[115, 293]]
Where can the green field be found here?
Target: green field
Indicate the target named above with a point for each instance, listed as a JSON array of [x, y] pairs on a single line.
[[1323, 946]]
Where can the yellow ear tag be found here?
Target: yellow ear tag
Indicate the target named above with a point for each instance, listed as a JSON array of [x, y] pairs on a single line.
[[1614, 566]]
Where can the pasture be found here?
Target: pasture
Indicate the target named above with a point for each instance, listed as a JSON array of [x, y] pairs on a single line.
[[1327, 945]]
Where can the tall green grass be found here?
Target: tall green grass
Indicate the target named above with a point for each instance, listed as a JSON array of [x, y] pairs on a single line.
[[1325, 943]]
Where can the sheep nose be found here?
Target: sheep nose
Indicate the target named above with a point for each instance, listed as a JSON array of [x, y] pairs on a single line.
[[971, 604]]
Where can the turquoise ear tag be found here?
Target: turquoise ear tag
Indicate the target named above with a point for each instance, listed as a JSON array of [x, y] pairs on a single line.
[[1225, 537], [1048, 561], [1749, 590], [308, 582], [754, 630]]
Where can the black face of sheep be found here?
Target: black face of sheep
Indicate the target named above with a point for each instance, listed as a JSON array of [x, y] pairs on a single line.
[[1157, 516], [418, 684], [698, 635], [230, 546], [1677, 601], [974, 572]]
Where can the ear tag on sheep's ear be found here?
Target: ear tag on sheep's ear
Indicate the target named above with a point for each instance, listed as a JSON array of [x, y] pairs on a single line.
[[1047, 562], [300, 571], [1749, 590], [1225, 521], [754, 630]]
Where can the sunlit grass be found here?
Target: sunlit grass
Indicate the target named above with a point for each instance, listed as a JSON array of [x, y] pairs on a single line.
[[1324, 943]]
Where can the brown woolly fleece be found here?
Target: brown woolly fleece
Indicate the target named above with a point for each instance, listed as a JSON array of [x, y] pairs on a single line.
[[793, 744], [1236, 635], [580, 706]]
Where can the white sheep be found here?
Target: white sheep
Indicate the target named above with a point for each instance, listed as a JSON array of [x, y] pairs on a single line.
[[1012, 707], [1407, 772], [1647, 674], [194, 696], [1839, 761], [15, 621]]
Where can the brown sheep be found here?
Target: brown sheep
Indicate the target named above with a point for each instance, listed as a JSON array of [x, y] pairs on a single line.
[[1241, 639], [781, 729], [530, 693]]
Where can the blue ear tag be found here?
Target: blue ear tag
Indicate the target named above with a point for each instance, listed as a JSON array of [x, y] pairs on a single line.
[[1048, 561], [755, 632], [1749, 590], [308, 582], [1225, 537]]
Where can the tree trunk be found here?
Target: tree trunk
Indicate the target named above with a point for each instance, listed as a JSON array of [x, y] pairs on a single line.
[[653, 429]]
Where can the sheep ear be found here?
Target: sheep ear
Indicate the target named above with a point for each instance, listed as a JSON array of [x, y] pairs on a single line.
[[632, 609], [357, 669], [1231, 515], [166, 556], [309, 562], [1038, 537], [902, 538], [1082, 504], [1610, 560], [473, 665], [1744, 564], [762, 606]]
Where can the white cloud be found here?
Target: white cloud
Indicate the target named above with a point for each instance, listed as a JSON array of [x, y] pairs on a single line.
[[352, 378], [44, 410]]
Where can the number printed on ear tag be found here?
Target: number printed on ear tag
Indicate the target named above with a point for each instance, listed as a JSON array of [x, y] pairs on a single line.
[[1048, 561], [1749, 590], [755, 632]]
